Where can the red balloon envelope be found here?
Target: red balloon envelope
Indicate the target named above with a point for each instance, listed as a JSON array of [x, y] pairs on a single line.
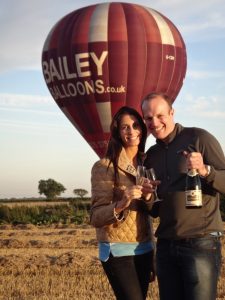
[[101, 57]]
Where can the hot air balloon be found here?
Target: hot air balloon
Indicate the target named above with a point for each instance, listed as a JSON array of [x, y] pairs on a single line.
[[101, 57]]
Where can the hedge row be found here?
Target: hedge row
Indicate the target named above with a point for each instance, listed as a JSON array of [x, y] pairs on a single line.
[[45, 215], [76, 212]]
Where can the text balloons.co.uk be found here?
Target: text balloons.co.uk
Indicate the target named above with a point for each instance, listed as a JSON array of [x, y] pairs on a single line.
[[104, 56]]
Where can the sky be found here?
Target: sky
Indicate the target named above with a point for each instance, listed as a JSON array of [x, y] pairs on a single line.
[[37, 141]]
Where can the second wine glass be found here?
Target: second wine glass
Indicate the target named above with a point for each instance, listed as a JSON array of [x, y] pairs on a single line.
[[150, 174]]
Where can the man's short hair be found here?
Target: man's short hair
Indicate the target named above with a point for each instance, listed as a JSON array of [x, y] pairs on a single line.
[[153, 95]]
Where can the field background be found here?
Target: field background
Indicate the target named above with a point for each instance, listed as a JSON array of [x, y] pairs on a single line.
[[55, 262]]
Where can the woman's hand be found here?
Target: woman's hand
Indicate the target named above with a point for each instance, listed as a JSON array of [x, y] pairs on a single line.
[[130, 193]]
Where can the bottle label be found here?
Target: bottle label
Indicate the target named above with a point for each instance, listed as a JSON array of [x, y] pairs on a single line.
[[193, 198]]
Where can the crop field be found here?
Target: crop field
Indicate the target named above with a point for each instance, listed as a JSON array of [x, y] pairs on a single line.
[[56, 262], [35, 203]]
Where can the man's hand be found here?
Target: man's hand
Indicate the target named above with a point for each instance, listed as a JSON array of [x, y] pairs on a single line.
[[149, 187], [194, 160]]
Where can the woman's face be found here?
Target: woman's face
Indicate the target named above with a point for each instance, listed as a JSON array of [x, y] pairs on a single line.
[[130, 131]]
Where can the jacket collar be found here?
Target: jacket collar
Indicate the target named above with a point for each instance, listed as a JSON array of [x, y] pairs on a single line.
[[177, 129], [125, 164]]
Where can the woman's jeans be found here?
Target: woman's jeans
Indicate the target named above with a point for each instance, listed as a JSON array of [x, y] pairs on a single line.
[[129, 276], [188, 269]]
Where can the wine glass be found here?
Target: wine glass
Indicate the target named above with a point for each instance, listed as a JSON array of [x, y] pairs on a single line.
[[150, 174], [141, 173]]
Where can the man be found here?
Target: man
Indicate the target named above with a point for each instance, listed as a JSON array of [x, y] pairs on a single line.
[[188, 257]]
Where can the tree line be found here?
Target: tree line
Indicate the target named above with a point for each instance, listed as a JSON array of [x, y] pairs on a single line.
[[51, 189]]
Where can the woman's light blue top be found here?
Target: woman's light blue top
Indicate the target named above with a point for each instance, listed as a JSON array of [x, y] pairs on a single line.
[[123, 249]]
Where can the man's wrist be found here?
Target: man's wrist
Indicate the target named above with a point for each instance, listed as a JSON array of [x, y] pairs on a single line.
[[208, 170]]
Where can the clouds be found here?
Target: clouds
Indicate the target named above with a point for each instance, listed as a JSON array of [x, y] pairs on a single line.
[[209, 28], [30, 114], [202, 75], [24, 25], [196, 17], [23, 101], [201, 107], [23, 29]]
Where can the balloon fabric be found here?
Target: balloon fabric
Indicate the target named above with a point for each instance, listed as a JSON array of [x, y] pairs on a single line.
[[104, 56]]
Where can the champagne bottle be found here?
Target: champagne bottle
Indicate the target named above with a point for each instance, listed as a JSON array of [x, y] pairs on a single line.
[[193, 190]]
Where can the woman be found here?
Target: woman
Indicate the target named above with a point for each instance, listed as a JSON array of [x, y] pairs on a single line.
[[120, 209]]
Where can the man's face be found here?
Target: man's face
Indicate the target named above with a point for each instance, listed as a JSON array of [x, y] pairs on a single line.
[[158, 117]]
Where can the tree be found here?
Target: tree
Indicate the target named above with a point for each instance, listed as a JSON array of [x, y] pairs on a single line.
[[80, 192], [50, 188]]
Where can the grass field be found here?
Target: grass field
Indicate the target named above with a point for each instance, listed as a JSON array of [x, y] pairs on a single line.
[[57, 262]]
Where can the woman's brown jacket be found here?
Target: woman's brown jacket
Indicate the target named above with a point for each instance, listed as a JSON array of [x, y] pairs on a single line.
[[135, 225]]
